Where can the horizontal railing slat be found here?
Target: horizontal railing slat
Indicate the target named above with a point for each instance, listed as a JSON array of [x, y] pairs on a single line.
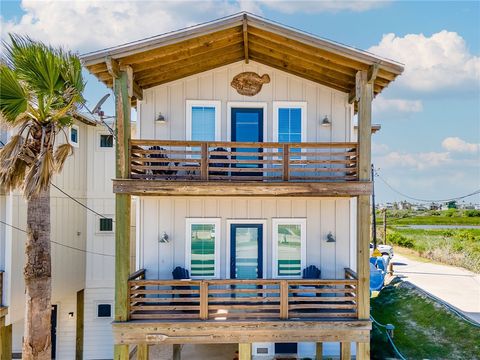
[[243, 161], [239, 299]]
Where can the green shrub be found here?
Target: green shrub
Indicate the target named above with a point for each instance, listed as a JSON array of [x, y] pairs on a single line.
[[472, 213], [399, 239]]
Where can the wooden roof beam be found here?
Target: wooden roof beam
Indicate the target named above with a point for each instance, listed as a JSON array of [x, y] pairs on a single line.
[[245, 37], [114, 69]]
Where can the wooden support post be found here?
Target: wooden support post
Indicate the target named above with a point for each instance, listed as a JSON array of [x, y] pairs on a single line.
[[204, 162], [177, 352], [5, 340], [385, 226], [345, 351], [79, 326], [244, 351], [365, 94], [204, 300], [142, 352], [122, 84], [283, 299], [286, 161], [319, 351]]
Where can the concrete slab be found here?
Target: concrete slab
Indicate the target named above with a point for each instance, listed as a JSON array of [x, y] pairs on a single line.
[[456, 286]]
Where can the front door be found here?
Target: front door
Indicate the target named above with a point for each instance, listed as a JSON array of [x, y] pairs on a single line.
[[246, 251], [247, 126], [53, 331]]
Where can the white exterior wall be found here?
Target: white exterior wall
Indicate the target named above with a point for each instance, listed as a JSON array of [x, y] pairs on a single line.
[[98, 337], [170, 100], [100, 261], [323, 215]]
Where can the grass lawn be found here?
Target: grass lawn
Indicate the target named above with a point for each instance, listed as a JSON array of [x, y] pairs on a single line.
[[434, 220], [458, 247], [423, 328]]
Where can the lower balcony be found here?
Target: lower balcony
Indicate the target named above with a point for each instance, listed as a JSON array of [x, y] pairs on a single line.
[[242, 311], [172, 167]]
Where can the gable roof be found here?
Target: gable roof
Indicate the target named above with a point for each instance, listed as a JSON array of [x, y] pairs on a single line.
[[243, 36]]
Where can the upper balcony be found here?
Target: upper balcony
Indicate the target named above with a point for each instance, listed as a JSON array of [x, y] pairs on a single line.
[[169, 167]]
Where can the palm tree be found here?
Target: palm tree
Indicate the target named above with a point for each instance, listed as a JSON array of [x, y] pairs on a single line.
[[40, 90]]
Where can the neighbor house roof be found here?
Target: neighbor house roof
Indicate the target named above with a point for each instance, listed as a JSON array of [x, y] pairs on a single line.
[[167, 57]]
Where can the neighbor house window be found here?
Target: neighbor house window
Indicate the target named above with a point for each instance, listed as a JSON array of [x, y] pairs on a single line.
[[289, 122], [203, 248], [104, 310], [203, 120], [289, 250], [106, 224], [106, 141], [74, 135]]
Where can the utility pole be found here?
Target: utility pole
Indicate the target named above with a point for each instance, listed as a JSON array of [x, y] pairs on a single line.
[[374, 217], [385, 226]]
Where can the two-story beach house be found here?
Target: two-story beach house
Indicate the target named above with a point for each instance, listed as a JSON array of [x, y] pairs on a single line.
[[253, 194]]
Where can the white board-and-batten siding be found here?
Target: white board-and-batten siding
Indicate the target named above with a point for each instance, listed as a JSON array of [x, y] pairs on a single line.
[[170, 100], [169, 214]]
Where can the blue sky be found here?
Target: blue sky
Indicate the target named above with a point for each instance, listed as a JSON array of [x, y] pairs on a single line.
[[429, 145]]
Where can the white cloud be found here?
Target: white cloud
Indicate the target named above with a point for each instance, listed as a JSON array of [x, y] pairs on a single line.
[[441, 61], [382, 105], [418, 161], [92, 25], [379, 148], [290, 7], [455, 144]]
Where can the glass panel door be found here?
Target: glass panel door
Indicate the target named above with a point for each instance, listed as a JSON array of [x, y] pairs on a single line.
[[246, 251]]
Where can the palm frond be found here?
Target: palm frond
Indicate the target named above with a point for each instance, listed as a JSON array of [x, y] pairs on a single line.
[[61, 155], [13, 97], [11, 149], [39, 176]]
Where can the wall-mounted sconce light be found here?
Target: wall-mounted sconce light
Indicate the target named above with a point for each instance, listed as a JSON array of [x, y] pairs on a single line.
[[326, 121], [164, 238], [160, 119], [330, 237], [70, 315]]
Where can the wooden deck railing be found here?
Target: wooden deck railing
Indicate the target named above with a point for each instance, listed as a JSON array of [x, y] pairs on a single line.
[[273, 299], [237, 161]]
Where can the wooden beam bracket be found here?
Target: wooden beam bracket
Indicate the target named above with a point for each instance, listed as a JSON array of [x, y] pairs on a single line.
[[372, 73], [112, 67]]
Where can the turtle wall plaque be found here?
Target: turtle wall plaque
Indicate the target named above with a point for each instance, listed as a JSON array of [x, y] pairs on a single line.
[[249, 83]]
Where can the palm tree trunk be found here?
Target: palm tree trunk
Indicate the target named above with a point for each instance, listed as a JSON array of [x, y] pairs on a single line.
[[37, 273]]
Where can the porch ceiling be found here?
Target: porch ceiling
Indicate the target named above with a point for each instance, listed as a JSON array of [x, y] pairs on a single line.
[[243, 36]]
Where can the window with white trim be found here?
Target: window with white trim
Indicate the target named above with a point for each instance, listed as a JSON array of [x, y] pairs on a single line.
[[289, 122], [202, 257], [74, 135], [105, 224], [104, 310], [203, 120], [289, 247]]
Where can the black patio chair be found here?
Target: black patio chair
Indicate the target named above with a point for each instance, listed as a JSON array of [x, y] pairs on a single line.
[[219, 164], [162, 163]]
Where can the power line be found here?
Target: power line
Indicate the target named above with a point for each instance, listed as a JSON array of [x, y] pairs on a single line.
[[78, 202], [425, 200], [57, 243]]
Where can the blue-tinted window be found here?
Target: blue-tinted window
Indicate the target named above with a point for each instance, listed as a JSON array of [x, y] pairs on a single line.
[[74, 135], [203, 123], [290, 125]]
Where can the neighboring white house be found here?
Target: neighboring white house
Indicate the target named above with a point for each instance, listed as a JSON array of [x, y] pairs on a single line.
[[82, 248]]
